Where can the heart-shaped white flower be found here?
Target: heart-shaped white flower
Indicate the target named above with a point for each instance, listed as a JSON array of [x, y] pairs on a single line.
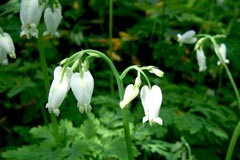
[[82, 87], [30, 14], [52, 19], [151, 100]]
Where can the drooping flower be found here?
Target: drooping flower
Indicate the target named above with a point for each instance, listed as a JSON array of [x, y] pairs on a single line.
[[156, 71], [223, 53], [151, 100], [187, 37], [6, 47], [130, 93], [82, 85], [58, 90], [201, 59], [30, 14], [52, 19]]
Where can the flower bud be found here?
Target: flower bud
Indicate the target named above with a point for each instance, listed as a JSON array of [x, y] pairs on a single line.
[[130, 93], [155, 70], [138, 82]]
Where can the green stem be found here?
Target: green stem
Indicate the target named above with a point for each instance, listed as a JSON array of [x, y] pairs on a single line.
[[232, 21], [137, 69], [110, 32], [237, 128], [121, 92], [47, 84], [233, 142], [43, 64]]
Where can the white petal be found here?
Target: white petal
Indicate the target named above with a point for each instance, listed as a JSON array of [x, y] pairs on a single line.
[[201, 59], [144, 98], [223, 50], [145, 119], [188, 34], [158, 120], [156, 99]]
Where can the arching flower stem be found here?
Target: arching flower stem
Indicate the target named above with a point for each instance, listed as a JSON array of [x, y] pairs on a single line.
[[236, 131], [138, 69]]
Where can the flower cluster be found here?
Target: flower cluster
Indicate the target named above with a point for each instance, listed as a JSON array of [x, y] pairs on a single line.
[[190, 37], [151, 96], [30, 15], [81, 83], [6, 48]]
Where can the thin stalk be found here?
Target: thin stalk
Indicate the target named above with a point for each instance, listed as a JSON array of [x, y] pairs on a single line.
[[43, 64], [233, 142], [232, 21], [47, 83], [121, 92], [110, 32], [236, 131], [137, 69]]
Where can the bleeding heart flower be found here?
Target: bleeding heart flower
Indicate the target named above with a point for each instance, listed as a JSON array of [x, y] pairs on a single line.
[[58, 90], [52, 19], [151, 100], [82, 85]]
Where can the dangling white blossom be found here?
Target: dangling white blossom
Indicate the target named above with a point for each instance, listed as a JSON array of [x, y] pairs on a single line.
[[30, 14], [82, 85], [58, 90], [201, 59], [187, 37], [155, 70], [6, 47], [151, 100], [52, 19], [223, 53], [130, 92]]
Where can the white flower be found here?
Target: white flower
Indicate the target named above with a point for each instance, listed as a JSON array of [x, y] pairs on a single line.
[[130, 93], [151, 100], [52, 19], [6, 47], [223, 54], [187, 37], [58, 90], [30, 14], [82, 87], [201, 59]]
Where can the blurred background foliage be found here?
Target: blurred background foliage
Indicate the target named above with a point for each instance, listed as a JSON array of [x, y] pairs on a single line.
[[199, 110]]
